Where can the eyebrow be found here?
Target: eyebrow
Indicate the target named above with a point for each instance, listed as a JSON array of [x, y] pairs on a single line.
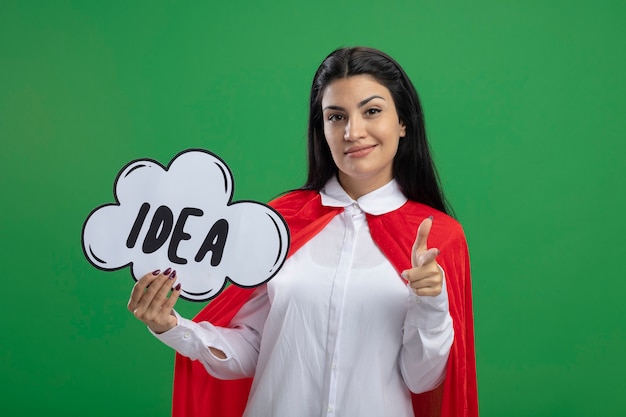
[[360, 104]]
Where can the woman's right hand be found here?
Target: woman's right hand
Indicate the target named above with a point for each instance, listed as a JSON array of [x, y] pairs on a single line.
[[149, 301]]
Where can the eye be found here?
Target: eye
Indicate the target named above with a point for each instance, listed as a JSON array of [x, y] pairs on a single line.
[[335, 117], [372, 111]]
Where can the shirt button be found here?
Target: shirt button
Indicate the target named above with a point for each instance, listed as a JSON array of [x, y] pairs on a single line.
[[333, 366], [186, 335], [418, 300], [330, 409]]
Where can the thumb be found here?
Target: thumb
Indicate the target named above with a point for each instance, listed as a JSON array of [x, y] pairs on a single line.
[[421, 241]]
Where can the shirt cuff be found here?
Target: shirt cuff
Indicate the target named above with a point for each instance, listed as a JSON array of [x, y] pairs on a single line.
[[191, 339]]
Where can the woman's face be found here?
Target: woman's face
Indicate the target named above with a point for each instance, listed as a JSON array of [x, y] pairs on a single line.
[[362, 128]]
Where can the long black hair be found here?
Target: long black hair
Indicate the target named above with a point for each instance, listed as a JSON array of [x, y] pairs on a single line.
[[413, 167]]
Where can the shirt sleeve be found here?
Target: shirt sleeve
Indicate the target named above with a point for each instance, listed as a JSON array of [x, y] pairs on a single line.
[[240, 341], [427, 337]]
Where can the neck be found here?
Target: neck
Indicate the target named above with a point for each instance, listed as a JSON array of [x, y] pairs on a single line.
[[358, 187]]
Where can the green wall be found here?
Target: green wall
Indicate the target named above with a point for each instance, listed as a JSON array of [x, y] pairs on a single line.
[[524, 102]]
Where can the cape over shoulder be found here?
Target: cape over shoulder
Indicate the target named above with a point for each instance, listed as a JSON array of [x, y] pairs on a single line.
[[197, 394]]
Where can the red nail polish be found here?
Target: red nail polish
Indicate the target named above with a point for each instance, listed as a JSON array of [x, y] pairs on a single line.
[[157, 272], [177, 287], [167, 271], [173, 274]]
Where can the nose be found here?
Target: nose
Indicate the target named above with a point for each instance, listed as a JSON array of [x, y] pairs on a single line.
[[355, 129]]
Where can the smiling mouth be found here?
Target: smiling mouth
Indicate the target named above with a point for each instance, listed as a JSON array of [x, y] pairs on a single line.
[[358, 151]]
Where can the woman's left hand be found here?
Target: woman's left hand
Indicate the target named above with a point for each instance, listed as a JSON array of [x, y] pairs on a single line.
[[425, 276]]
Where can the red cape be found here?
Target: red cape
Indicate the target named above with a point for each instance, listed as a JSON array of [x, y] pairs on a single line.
[[197, 394]]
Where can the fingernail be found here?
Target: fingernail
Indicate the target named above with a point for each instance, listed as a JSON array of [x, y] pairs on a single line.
[[156, 272], [431, 218], [404, 274], [177, 287], [173, 274], [167, 271]]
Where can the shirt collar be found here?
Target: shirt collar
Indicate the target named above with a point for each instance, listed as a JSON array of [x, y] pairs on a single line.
[[387, 198]]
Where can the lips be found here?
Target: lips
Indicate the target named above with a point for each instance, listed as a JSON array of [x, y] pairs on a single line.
[[359, 151]]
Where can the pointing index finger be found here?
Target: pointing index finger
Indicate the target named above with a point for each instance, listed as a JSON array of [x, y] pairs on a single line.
[[422, 234]]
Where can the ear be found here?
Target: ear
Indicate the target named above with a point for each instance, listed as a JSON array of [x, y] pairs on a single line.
[[402, 129]]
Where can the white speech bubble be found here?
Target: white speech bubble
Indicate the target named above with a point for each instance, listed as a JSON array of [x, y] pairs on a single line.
[[182, 216]]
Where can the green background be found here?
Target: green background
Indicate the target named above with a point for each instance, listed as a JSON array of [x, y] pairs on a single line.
[[524, 103]]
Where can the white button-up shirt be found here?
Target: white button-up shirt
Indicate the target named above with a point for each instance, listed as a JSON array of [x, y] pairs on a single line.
[[336, 332]]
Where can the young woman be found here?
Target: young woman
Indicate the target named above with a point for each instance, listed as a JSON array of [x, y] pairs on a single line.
[[371, 313]]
